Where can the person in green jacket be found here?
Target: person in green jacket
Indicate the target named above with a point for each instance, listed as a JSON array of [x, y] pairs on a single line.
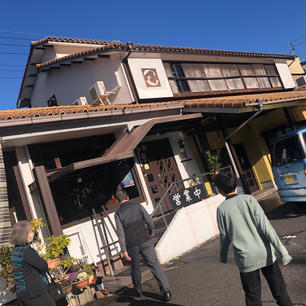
[[242, 222]]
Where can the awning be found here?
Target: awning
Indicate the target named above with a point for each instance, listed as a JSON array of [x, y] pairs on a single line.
[[122, 148], [246, 102]]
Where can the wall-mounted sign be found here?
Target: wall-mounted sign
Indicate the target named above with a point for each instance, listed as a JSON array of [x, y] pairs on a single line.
[[150, 78], [188, 196]]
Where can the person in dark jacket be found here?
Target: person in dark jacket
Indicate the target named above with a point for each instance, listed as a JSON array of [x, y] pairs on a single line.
[[135, 229], [29, 268]]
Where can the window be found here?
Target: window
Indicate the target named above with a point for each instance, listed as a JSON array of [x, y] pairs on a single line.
[[288, 151], [250, 83], [181, 82], [195, 71], [214, 77]]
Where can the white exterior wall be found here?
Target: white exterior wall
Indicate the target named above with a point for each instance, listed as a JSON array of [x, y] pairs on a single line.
[[285, 75], [190, 227], [86, 241], [74, 81]]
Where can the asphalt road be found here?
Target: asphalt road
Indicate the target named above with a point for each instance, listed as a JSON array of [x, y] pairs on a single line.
[[197, 278]]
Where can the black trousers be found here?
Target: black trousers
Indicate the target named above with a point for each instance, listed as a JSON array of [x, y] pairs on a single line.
[[252, 286], [148, 253], [41, 300]]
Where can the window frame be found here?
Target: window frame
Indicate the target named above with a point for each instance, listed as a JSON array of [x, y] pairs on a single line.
[[178, 79]]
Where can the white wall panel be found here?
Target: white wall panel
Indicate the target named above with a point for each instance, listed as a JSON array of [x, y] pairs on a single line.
[[285, 75], [150, 78]]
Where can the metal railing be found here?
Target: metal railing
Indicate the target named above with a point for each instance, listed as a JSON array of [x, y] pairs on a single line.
[[198, 179]]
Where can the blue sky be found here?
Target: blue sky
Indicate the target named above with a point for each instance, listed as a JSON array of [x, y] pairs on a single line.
[[259, 26]]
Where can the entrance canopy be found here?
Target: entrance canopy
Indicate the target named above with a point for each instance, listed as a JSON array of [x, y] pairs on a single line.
[[122, 148]]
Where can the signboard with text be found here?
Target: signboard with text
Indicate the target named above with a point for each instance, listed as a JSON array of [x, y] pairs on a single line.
[[188, 196]]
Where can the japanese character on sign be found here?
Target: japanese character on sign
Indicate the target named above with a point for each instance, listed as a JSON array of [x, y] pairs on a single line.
[[187, 196], [176, 197], [197, 193]]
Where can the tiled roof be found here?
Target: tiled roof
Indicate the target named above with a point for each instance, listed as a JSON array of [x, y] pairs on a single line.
[[36, 112], [246, 100], [148, 48], [70, 40], [108, 46], [217, 102]]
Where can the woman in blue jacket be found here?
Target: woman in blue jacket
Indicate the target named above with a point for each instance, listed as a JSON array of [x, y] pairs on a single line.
[[29, 268]]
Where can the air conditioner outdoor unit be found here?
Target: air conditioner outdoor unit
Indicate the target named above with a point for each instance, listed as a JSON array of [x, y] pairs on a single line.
[[97, 90], [301, 81], [80, 101]]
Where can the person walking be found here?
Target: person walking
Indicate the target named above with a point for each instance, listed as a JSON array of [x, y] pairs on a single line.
[[135, 228], [243, 223], [29, 268]]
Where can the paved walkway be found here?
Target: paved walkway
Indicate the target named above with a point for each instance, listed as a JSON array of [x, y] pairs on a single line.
[[197, 278]]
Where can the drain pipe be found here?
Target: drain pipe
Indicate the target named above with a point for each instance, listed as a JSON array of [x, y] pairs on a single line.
[[129, 74], [226, 141]]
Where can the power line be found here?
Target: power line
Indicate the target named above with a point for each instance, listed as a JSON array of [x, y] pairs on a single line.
[[11, 78], [15, 65], [15, 45], [21, 32], [9, 70], [17, 38], [15, 53]]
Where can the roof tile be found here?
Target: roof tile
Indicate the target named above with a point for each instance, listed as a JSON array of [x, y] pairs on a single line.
[[107, 45], [223, 102]]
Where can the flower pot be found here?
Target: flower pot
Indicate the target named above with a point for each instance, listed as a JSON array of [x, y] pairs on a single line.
[[82, 283], [67, 289]]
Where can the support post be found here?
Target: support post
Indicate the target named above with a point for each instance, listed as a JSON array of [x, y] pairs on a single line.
[[47, 199], [22, 193], [233, 157]]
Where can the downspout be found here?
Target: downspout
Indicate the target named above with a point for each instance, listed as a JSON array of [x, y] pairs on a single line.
[[129, 74], [227, 146]]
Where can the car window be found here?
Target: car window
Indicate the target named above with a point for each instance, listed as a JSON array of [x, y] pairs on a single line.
[[287, 151]]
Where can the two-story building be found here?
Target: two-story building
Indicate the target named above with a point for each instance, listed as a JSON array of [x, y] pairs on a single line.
[[95, 115]]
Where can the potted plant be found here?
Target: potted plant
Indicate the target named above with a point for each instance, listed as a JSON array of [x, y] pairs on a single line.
[[66, 284], [213, 159], [81, 279], [6, 268], [80, 274]]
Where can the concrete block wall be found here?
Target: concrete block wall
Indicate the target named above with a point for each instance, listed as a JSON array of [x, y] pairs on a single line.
[[190, 227]]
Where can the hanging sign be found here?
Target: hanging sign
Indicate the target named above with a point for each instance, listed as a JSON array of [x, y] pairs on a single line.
[[188, 196]]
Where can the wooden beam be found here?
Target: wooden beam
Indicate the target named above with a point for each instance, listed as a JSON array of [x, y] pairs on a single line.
[[56, 174], [57, 162], [103, 56], [91, 59], [47, 199], [22, 193]]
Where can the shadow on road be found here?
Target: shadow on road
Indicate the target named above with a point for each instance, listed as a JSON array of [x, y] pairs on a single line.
[[127, 295], [288, 210]]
